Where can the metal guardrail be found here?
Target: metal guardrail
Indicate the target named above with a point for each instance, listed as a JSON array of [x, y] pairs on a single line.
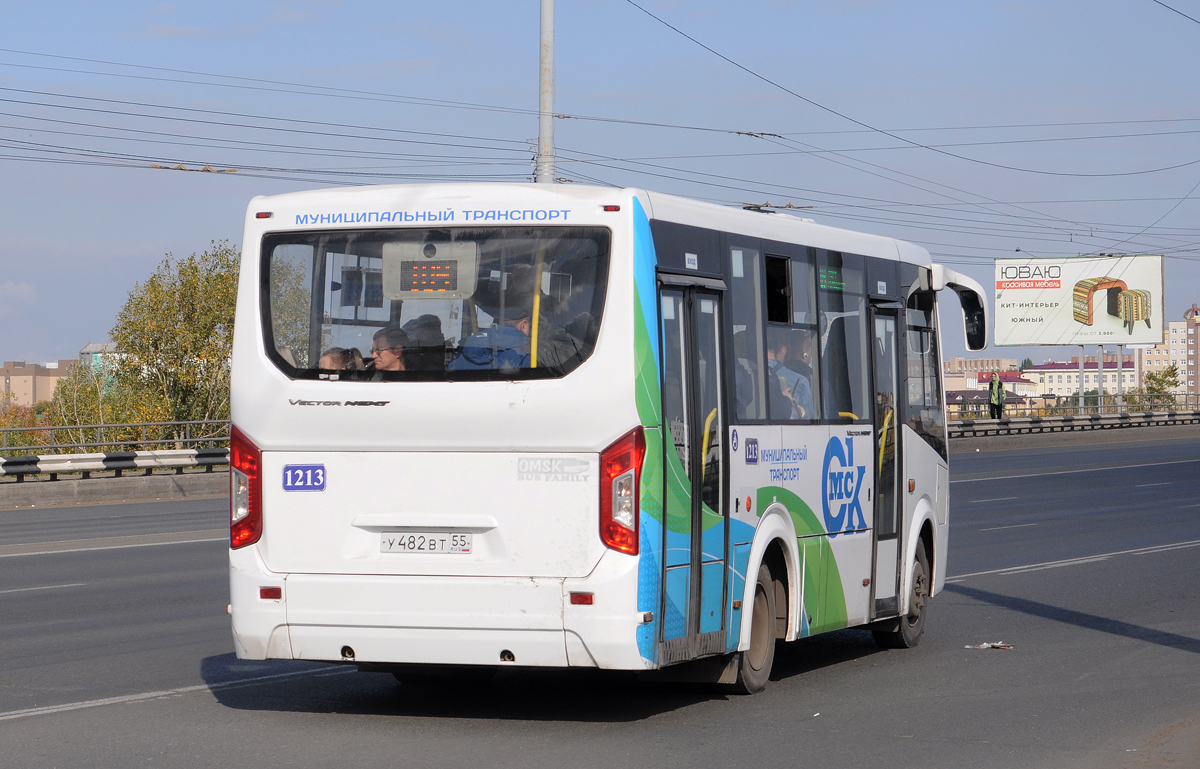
[[970, 428], [117, 462], [1069, 406], [133, 437], [205, 443]]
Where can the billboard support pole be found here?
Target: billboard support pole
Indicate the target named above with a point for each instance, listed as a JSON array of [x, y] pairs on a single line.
[[1120, 379], [1100, 378], [1081, 400]]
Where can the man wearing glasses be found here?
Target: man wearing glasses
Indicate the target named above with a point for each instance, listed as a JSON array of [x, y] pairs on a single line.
[[387, 348]]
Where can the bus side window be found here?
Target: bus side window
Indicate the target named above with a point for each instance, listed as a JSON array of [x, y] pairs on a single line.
[[746, 310], [924, 407], [843, 344], [792, 384]]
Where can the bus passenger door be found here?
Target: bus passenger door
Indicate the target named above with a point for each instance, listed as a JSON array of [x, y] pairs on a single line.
[[694, 515], [885, 368]]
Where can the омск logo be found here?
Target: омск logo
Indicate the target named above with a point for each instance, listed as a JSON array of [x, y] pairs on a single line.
[[841, 480]]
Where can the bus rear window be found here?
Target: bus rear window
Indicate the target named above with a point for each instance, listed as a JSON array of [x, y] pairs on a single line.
[[460, 303]]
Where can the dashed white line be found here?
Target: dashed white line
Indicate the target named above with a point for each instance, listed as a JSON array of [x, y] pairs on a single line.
[[1071, 472], [1014, 526], [1077, 561], [996, 499], [113, 543], [1148, 485], [66, 707], [43, 587]]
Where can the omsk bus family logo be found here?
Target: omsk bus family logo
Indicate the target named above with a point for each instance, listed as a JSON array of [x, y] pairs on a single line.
[[841, 481]]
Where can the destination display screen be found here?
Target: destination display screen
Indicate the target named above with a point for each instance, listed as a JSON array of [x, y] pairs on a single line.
[[830, 279], [429, 276]]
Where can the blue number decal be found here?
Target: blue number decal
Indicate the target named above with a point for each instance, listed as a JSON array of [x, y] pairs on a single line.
[[304, 478]]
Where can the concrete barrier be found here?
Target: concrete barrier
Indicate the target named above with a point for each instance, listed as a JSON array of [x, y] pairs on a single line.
[[1122, 437], [97, 491]]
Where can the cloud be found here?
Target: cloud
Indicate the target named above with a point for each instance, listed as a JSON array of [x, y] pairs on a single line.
[[301, 11], [172, 31], [14, 295]]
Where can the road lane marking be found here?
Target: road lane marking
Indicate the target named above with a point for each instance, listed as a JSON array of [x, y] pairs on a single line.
[[113, 543], [997, 499], [1148, 485], [1077, 561], [1070, 472], [43, 587], [66, 707], [1014, 526]]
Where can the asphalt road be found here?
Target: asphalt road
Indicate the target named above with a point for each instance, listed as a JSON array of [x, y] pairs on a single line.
[[115, 651]]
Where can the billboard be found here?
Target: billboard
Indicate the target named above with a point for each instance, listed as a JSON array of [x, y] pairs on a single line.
[[1079, 300]]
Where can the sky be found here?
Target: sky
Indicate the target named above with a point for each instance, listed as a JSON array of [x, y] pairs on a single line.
[[973, 129]]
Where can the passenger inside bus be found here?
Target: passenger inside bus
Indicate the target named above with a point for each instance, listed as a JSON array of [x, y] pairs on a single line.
[[792, 399], [341, 359], [428, 349], [388, 347], [505, 344]]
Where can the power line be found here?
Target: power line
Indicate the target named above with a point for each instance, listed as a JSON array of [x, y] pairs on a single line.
[[310, 89], [890, 134], [1175, 10], [288, 87]]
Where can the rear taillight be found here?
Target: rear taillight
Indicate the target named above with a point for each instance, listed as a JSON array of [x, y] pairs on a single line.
[[245, 493], [620, 475]]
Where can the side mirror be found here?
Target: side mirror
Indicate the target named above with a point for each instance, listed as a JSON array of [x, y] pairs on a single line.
[[971, 297], [974, 319]]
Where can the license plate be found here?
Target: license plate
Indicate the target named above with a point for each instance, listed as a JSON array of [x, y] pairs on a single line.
[[424, 542]]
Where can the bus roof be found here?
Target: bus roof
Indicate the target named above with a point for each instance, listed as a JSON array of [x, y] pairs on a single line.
[[671, 208], [782, 227]]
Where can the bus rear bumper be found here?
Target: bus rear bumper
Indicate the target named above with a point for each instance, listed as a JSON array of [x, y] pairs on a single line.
[[527, 622]]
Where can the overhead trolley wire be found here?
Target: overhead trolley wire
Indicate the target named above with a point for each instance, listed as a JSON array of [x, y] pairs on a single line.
[[225, 113], [251, 146], [338, 92]]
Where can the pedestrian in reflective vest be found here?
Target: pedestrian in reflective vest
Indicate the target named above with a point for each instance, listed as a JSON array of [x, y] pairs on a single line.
[[996, 395]]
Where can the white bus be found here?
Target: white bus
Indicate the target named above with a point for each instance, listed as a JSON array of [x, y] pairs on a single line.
[[535, 425]]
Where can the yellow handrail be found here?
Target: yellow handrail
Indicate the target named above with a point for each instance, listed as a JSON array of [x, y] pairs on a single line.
[[704, 453], [537, 307], [887, 420]]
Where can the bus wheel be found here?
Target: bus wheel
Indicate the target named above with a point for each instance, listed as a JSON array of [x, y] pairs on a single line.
[[754, 664], [912, 624]]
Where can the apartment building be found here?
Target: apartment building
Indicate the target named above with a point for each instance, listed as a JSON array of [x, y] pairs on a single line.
[[1178, 349], [1062, 377], [24, 384]]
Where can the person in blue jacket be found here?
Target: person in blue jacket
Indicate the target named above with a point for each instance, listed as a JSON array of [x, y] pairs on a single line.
[[505, 345]]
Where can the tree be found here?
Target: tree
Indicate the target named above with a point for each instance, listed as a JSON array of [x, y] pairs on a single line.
[[291, 303], [174, 337], [1027, 364], [88, 395], [1160, 383]]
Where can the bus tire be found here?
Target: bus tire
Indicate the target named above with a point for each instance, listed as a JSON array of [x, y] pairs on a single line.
[[908, 634], [754, 664]]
